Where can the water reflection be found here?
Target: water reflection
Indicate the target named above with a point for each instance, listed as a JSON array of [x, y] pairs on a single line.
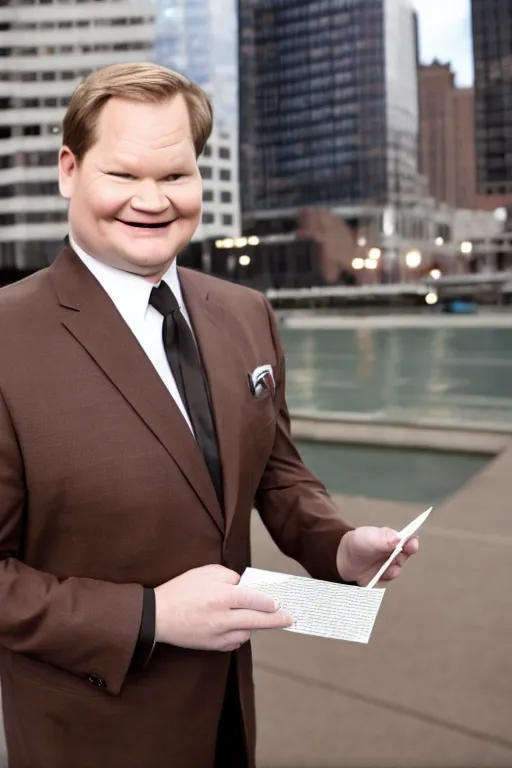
[[455, 374]]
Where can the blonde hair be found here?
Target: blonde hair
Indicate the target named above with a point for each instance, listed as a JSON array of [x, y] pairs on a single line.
[[142, 82]]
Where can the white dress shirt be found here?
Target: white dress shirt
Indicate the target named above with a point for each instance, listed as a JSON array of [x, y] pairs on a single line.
[[130, 295]]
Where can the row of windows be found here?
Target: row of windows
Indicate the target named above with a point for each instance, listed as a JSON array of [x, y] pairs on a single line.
[[28, 160], [64, 50], [223, 152], [10, 219], [210, 218], [80, 24], [296, 11], [209, 196], [207, 173], [30, 189]]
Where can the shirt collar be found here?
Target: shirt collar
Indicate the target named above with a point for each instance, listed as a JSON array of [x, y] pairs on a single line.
[[130, 293]]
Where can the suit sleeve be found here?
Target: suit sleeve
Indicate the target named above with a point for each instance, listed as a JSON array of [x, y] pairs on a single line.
[[295, 507], [86, 627]]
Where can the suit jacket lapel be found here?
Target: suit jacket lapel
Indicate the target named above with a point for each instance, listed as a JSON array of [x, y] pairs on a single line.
[[226, 377], [100, 329]]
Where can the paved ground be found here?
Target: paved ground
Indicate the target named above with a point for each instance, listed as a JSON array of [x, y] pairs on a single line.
[[433, 689]]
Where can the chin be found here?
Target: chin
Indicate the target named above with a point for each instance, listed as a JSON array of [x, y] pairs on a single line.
[[151, 257]]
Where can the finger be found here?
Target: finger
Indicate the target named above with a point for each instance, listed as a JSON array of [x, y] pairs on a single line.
[[252, 599], [412, 545], [241, 619], [392, 572], [401, 559]]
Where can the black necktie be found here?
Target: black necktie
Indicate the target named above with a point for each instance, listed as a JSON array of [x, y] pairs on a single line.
[[188, 373]]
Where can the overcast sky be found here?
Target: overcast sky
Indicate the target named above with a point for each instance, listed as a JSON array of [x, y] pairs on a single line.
[[445, 33]]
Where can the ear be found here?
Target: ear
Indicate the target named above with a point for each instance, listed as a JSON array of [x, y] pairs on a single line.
[[68, 169]]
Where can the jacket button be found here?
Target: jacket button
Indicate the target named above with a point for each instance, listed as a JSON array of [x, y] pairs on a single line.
[[96, 680]]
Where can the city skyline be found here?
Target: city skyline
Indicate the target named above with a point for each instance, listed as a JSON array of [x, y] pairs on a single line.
[[445, 34]]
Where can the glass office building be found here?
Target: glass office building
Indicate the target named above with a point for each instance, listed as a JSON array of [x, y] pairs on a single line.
[[328, 102], [492, 46]]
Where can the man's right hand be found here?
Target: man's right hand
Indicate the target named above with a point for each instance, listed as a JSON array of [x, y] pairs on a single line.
[[205, 610]]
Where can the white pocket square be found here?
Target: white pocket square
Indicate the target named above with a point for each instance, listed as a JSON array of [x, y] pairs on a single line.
[[261, 379]]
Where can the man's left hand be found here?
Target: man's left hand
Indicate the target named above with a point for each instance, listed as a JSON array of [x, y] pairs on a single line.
[[364, 550]]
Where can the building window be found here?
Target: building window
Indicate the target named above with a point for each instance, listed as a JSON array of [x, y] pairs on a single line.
[[225, 175], [227, 219], [224, 153], [205, 171], [208, 195], [208, 218], [226, 197], [207, 151]]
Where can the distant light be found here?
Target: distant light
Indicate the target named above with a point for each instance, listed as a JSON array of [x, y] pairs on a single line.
[[253, 240], [228, 243], [240, 242], [466, 247], [358, 263], [431, 298], [362, 241], [375, 254], [439, 240], [413, 259], [501, 214], [435, 274], [244, 260], [55, 129], [219, 243], [371, 263]]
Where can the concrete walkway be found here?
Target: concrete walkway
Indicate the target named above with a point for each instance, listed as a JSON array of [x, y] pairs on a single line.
[[433, 689]]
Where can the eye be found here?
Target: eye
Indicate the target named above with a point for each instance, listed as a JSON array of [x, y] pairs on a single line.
[[122, 175], [173, 177]]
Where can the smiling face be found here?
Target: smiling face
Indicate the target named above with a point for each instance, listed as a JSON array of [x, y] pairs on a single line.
[[136, 197]]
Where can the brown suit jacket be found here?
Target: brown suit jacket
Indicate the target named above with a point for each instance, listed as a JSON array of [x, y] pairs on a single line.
[[103, 490]]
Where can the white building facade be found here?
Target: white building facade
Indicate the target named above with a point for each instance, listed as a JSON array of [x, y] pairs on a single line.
[[47, 47]]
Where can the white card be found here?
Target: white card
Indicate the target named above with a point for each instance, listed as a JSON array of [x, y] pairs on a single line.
[[320, 608]]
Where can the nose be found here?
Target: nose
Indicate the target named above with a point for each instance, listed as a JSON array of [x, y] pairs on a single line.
[[149, 198]]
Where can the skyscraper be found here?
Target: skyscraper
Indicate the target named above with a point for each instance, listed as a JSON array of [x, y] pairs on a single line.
[[447, 136], [46, 49], [492, 48], [328, 104]]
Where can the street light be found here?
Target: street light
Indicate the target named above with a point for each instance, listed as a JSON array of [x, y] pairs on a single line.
[[435, 274], [358, 263], [253, 240], [413, 259], [374, 254], [466, 247], [240, 242], [439, 241], [431, 298], [244, 260], [371, 263]]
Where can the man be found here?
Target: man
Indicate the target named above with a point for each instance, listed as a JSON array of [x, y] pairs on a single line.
[[133, 445]]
